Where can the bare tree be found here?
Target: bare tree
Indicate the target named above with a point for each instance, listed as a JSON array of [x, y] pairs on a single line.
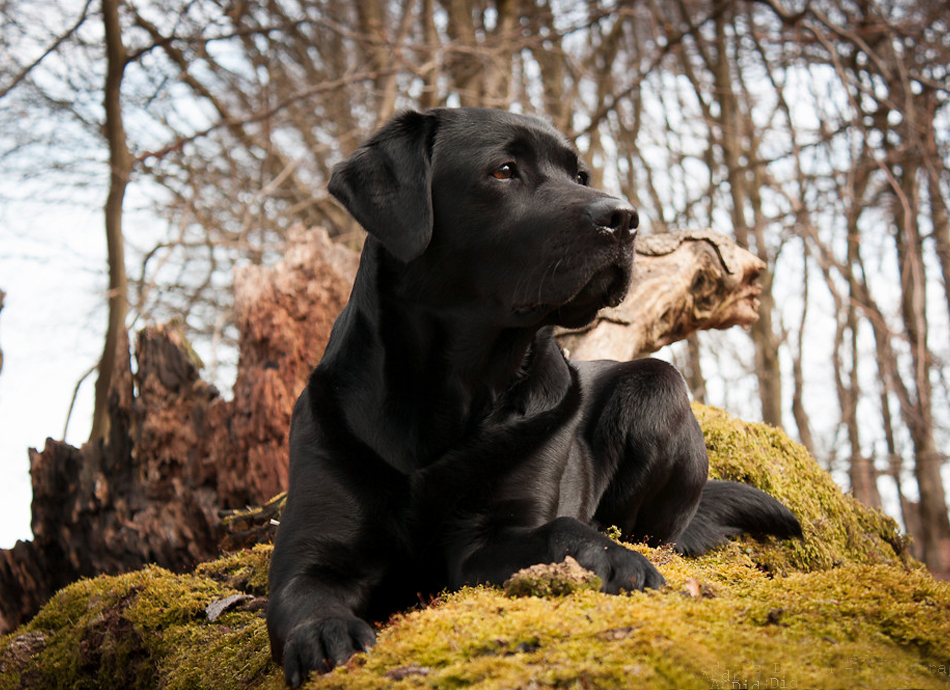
[[885, 61], [120, 164]]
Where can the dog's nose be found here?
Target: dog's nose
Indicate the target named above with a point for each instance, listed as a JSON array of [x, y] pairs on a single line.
[[614, 217]]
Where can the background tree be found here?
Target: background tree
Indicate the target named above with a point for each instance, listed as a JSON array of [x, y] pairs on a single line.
[[120, 167]]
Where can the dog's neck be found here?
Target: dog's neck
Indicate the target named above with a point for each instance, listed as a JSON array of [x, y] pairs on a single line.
[[419, 381]]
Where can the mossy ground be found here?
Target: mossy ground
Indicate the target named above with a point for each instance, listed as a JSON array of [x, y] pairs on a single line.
[[844, 608], [148, 629]]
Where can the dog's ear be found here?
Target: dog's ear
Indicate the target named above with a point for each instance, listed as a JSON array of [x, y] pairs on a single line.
[[387, 184]]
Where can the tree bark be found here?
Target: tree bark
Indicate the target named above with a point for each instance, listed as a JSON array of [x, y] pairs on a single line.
[[799, 413], [693, 371], [934, 520]]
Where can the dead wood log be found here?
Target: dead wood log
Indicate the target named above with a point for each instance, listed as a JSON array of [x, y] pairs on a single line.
[[683, 282], [109, 506], [179, 456]]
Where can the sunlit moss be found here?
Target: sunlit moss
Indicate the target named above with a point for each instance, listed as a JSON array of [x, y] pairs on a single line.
[[838, 529], [854, 626], [245, 571], [146, 629]]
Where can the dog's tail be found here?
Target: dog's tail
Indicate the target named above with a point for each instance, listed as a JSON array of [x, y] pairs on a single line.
[[730, 508]]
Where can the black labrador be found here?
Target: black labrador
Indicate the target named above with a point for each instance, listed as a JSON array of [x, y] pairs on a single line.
[[444, 439]]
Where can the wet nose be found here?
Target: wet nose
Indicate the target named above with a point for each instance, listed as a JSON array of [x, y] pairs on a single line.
[[614, 218]]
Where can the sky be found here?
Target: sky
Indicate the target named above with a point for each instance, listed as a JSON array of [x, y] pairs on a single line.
[[53, 270]]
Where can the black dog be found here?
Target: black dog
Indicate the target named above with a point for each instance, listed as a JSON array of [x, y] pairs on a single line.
[[444, 439]]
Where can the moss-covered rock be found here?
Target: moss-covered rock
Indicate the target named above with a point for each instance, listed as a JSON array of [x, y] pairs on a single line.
[[838, 529], [844, 608], [552, 580]]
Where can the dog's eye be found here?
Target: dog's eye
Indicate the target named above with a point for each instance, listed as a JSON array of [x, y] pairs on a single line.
[[505, 172], [583, 178]]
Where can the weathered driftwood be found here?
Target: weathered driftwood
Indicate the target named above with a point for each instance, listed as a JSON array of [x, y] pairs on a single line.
[[180, 457], [684, 282]]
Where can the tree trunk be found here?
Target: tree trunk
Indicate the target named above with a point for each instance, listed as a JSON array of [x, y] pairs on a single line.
[[934, 521], [120, 163], [431, 73], [693, 371], [767, 365], [799, 413], [940, 220], [737, 141]]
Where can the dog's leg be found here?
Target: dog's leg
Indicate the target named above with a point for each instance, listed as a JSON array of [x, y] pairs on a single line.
[[494, 559], [312, 626], [329, 555], [315, 591], [649, 457], [649, 448]]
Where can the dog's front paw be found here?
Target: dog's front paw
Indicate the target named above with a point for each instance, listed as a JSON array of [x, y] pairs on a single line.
[[621, 569], [322, 644], [630, 571]]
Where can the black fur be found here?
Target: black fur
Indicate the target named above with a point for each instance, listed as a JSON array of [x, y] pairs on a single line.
[[444, 439]]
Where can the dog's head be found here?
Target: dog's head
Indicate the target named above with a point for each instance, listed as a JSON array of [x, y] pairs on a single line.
[[489, 208]]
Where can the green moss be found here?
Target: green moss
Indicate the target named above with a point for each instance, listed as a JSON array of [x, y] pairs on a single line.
[[844, 608], [233, 653], [856, 626], [245, 571], [838, 529], [146, 629]]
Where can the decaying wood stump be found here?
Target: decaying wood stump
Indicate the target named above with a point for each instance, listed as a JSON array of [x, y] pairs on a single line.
[[109, 506], [284, 315], [179, 455]]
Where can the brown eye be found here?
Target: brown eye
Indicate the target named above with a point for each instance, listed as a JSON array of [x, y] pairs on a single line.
[[504, 172], [583, 178]]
